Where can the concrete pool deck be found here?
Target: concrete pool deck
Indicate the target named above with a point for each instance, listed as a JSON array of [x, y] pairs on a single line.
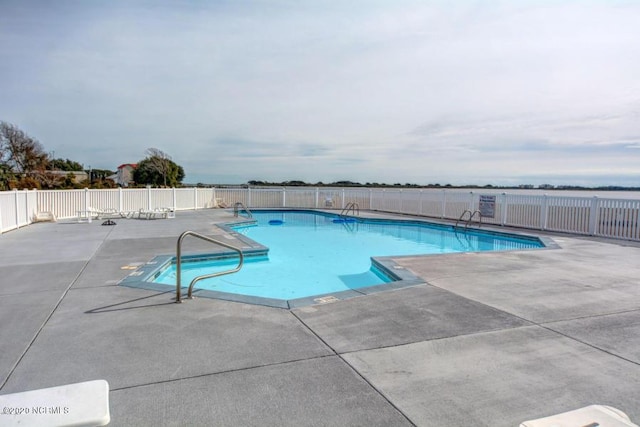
[[490, 339]]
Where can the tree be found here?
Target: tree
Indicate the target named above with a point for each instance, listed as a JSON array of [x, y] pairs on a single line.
[[159, 161], [21, 156], [101, 173], [158, 169], [6, 176], [19, 151], [66, 165]]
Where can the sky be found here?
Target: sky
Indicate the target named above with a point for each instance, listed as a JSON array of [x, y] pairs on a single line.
[[395, 91]]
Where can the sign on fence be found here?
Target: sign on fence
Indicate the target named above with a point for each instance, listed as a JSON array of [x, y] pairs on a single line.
[[487, 206]]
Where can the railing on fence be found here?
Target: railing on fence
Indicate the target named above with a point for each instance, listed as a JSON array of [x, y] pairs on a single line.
[[616, 218]]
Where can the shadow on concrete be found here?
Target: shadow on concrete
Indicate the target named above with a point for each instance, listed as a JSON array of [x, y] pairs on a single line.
[[108, 308]]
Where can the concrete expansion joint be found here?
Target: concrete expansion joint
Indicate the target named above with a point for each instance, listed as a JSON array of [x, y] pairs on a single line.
[[55, 308], [591, 316], [354, 370], [107, 285], [595, 347], [44, 323], [470, 334], [227, 371]]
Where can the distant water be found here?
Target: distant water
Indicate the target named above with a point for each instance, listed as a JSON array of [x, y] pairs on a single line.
[[632, 195]]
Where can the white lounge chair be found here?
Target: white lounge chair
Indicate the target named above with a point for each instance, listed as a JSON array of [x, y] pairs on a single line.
[[89, 214], [108, 213], [156, 213], [79, 404], [594, 415], [44, 217], [217, 203]]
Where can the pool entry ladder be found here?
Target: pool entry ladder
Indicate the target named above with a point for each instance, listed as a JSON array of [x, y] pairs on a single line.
[[236, 210], [351, 207], [471, 216], [204, 276]]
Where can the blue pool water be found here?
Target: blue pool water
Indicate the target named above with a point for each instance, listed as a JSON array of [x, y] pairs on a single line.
[[314, 253]]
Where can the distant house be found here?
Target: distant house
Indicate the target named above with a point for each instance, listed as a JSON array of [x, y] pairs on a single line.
[[124, 175], [78, 176]]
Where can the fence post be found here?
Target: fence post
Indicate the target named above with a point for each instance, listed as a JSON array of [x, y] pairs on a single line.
[[120, 205], [471, 201], [31, 218], [343, 205], [401, 201], [593, 216], [544, 212], [174, 199], [317, 196], [371, 198], [25, 193], [284, 197], [148, 197], [86, 204], [195, 198], [444, 203], [505, 208], [15, 202]]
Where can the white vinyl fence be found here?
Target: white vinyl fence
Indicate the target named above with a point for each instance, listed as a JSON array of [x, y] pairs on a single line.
[[617, 218], [17, 209]]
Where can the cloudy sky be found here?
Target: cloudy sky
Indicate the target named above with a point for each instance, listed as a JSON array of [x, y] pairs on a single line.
[[460, 92]]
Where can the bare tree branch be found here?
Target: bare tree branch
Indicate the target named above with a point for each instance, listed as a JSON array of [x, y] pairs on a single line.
[[19, 152], [159, 161]]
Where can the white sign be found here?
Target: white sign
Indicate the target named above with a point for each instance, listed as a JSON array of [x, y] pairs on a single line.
[[487, 206]]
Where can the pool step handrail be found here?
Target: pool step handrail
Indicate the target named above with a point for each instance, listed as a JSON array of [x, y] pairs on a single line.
[[351, 207], [471, 216], [205, 276], [236, 209]]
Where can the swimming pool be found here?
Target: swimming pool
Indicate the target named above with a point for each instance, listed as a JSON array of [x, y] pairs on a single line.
[[311, 254]]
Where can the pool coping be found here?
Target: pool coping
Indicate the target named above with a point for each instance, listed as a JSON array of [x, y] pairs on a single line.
[[401, 277]]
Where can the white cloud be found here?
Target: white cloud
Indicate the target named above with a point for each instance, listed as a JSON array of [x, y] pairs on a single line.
[[369, 91]]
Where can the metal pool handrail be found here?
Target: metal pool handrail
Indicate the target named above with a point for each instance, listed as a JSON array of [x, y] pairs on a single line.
[[205, 276], [351, 207], [236, 209], [471, 215]]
